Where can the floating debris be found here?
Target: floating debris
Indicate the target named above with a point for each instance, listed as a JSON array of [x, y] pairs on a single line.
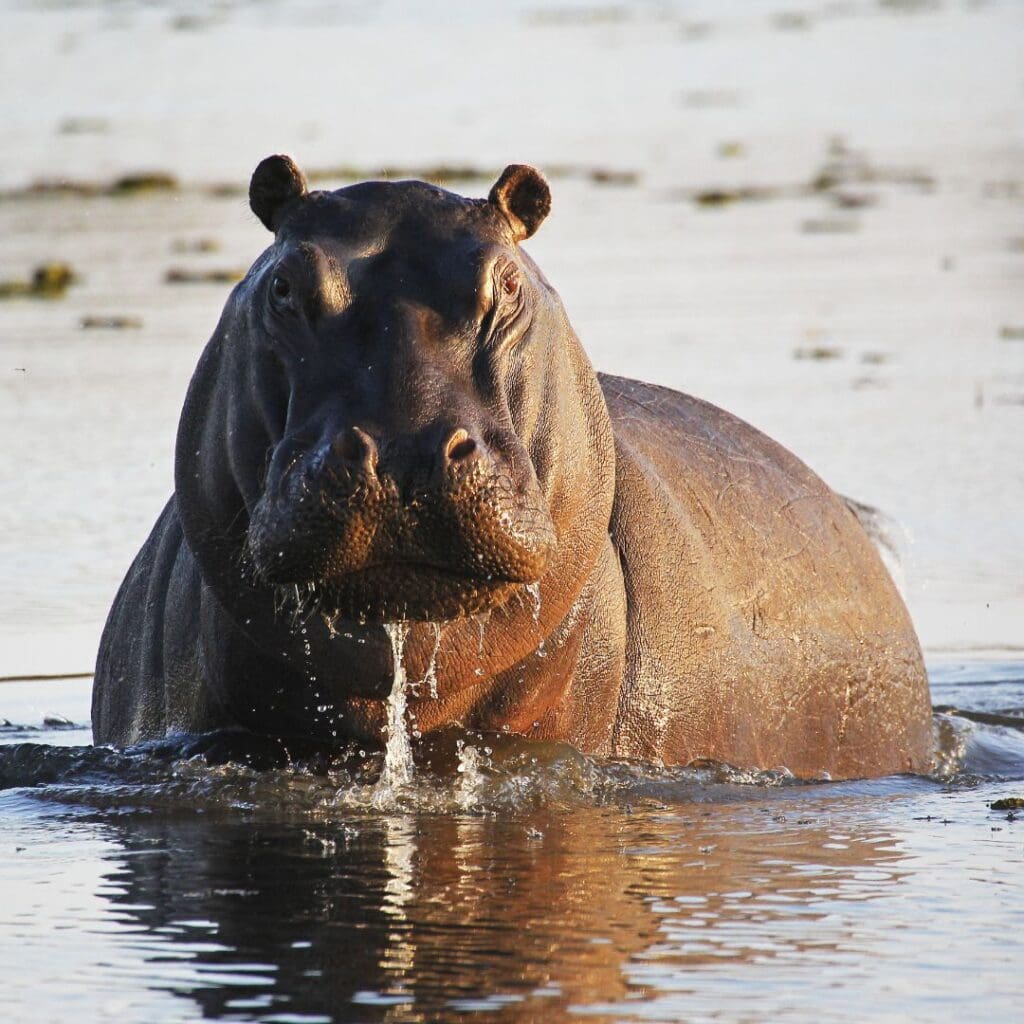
[[1012, 332], [726, 196], [127, 185], [817, 352], [909, 6], [441, 174], [695, 30], [48, 281], [192, 23], [178, 275], [132, 184], [731, 150], [704, 98], [159, 182], [829, 226], [791, 21], [874, 358], [436, 173], [605, 176], [836, 180], [110, 323], [196, 245], [1009, 803], [853, 200], [83, 126]]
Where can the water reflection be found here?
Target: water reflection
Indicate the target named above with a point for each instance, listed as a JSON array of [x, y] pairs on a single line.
[[410, 917]]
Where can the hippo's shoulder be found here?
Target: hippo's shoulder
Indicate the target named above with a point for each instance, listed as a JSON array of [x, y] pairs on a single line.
[[641, 404], [660, 423], [701, 458]]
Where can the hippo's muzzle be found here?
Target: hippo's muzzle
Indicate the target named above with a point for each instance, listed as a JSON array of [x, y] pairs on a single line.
[[432, 527]]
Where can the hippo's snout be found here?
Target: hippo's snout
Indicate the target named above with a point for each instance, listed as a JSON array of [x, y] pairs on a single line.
[[424, 462], [427, 527]]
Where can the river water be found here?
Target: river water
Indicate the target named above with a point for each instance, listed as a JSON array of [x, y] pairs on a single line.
[[874, 326]]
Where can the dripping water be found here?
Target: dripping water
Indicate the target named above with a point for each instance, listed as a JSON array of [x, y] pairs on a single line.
[[430, 676], [482, 624], [533, 589], [398, 764]]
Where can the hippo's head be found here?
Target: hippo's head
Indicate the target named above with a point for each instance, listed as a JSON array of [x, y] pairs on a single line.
[[371, 425]]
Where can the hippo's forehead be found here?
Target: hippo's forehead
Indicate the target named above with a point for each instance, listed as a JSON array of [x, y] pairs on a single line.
[[406, 215]]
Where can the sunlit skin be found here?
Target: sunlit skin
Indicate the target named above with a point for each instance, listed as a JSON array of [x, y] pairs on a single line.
[[394, 421]]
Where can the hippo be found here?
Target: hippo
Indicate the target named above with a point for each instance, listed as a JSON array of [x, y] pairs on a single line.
[[395, 423]]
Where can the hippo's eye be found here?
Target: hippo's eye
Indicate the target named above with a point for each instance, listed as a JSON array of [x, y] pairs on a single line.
[[509, 282], [280, 290]]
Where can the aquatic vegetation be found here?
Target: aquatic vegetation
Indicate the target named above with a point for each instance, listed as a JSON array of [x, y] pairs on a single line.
[[48, 281], [128, 185], [110, 323], [182, 275]]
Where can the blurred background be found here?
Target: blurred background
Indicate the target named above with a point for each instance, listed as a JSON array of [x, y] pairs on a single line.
[[808, 213]]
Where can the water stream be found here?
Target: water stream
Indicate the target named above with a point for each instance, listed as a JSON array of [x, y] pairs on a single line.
[[398, 763]]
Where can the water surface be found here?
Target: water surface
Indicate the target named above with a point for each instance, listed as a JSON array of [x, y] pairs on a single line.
[[532, 884]]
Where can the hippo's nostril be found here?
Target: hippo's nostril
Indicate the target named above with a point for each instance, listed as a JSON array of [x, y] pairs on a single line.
[[356, 449], [459, 446]]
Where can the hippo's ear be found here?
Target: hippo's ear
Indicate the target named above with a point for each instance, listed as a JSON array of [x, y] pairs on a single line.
[[275, 183], [523, 196]]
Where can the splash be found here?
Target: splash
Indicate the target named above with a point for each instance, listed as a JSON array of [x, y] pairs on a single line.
[[471, 778], [398, 764]]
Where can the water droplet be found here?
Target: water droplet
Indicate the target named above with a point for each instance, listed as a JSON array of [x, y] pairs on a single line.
[[533, 589]]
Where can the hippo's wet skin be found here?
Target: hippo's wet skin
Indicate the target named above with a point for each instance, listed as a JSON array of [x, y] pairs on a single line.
[[395, 421]]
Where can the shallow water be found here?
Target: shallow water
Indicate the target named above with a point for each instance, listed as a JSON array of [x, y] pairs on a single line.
[[871, 329], [534, 884]]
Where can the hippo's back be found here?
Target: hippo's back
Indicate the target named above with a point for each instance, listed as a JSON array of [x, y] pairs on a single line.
[[763, 626]]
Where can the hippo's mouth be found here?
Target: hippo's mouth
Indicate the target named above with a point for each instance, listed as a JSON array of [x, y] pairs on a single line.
[[405, 591]]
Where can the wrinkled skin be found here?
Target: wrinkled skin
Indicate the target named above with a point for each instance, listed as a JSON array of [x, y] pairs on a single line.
[[395, 421]]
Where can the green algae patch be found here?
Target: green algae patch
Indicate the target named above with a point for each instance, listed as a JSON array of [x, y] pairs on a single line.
[[128, 185], [179, 275], [135, 184], [48, 281]]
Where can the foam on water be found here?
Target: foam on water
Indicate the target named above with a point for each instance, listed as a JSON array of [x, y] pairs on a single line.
[[470, 776]]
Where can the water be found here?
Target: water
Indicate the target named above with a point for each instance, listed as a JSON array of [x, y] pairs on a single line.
[[499, 880], [398, 767], [429, 679], [528, 883]]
